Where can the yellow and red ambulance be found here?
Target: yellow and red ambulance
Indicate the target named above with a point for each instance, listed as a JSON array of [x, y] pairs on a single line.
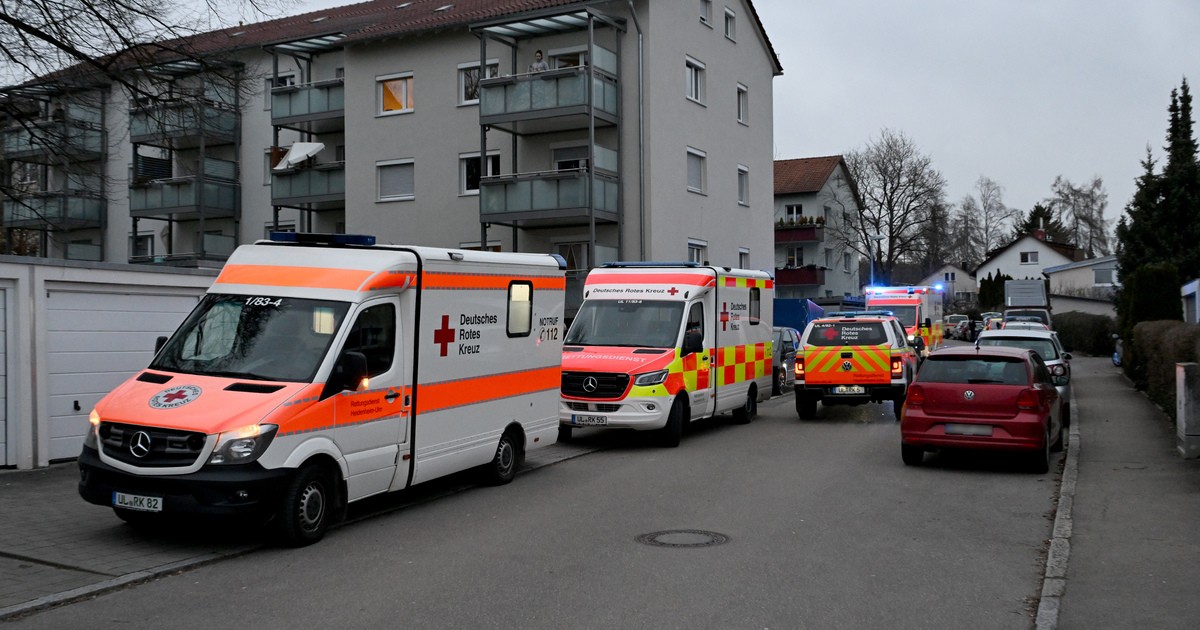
[[656, 345], [322, 369], [919, 309]]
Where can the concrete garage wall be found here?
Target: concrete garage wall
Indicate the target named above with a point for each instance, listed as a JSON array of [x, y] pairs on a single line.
[[71, 332]]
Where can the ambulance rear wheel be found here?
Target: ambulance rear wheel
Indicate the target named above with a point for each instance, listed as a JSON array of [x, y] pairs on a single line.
[[746, 413], [806, 406], [503, 466], [307, 502], [670, 434], [778, 383]]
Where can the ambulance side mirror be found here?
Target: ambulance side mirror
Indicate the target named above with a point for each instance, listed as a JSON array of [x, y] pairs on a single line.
[[348, 372], [693, 341], [159, 343], [928, 323]]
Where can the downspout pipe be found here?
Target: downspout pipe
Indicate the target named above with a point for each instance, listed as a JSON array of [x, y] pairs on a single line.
[[641, 137]]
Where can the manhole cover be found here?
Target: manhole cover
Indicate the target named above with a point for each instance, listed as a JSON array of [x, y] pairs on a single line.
[[683, 538]]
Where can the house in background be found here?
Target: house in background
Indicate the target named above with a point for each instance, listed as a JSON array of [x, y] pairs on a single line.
[[1086, 286], [814, 199], [1026, 258], [962, 292]]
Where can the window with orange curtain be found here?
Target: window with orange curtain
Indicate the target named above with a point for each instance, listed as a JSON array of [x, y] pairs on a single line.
[[395, 94]]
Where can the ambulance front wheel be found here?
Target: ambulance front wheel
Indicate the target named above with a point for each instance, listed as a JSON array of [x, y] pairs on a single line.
[[307, 503], [670, 434]]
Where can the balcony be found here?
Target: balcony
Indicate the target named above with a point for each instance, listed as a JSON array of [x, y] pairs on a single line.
[[554, 100], [800, 276], [549, 198], [52, 142], [184, 198], [317, 107], [183, 124], [791, 233], [323, 185], [57, 210]]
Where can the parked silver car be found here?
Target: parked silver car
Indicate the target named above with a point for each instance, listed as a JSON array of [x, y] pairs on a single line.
[[786, 342], [1046, 344]]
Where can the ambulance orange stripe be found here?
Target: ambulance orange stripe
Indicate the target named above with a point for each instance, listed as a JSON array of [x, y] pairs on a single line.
[[650, 278], [390, 280], [282, 276], [468, 391], [488, 281]]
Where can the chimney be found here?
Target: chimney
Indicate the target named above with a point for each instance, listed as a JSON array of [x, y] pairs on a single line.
[[1039, 234]]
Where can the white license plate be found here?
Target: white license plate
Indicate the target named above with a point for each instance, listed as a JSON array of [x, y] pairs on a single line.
[[969, 429], [849, 389], [588, 420], [137, 502]]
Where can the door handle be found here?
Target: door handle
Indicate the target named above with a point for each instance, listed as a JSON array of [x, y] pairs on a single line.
[[391, 396]]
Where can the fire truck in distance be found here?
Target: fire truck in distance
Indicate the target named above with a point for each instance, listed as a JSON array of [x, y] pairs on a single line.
[[919, 309]]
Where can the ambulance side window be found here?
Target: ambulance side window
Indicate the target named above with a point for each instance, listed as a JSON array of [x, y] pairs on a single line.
[[695, 320], [374, 335], [755, 306], [520, 308]]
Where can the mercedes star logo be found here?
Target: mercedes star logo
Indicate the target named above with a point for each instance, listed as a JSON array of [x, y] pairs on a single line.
[[590, 384], [846, 366], [969, 395], [140, 444]]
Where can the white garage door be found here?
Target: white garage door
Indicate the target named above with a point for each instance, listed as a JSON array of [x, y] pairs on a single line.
[[94, 341]]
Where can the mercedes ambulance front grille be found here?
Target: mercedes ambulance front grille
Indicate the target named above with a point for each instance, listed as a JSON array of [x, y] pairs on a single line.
[[150, 447], [601, 407], [594, 384]]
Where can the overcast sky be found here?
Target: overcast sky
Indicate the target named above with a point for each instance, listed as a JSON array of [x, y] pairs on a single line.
[[1019, 91]]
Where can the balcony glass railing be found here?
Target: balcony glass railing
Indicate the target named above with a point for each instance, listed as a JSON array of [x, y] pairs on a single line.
[[549, 190], [183, 194], [54, 209], [310, 99], [53, 137], [544, 91], [326, 180], [183, 119]]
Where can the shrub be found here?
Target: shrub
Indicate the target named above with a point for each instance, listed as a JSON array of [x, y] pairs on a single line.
[[1157, 346], [1086, 333]]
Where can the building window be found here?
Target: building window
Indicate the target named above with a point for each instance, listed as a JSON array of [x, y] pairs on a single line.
[[394, 94], [706, 12], [743, 185], [846, 262], [730, 25], [695, 170], [283, 80], [794, 256], [1104, 276], [743, 258], [469, 171], [698, 251], [828, 216], [395, 180], [743, 104], [829, 258], [468, 80], [571, 158], [141, 245], [948, 276], [695, 80], [1029, 258], [792, 212]]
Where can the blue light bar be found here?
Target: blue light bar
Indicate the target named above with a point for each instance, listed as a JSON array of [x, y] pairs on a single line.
[[313, 238]]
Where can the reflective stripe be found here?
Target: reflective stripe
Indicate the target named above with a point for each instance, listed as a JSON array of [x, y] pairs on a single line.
[[697, 279], [743, 363], [868, 364], [437, 280], [281, 276], [469, 391], [748, 283]]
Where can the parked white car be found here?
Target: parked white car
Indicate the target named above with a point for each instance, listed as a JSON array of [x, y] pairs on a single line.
[[1046, 344]]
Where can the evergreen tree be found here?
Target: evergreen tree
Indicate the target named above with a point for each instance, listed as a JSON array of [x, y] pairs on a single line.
[[1041, 218], [1181, 189]]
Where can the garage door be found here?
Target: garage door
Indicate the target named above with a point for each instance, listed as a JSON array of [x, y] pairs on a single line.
[[94, 341]]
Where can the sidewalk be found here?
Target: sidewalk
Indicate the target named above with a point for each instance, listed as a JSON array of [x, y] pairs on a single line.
[[1125, 551]]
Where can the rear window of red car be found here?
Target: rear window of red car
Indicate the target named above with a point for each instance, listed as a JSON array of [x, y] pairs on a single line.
[[973, 370], [849, 333]]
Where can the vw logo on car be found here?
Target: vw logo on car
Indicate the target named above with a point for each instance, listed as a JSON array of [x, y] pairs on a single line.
[[969, 395]]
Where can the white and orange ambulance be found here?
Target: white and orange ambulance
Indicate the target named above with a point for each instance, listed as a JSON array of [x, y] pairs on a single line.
[[919, 309], [656, 345], [322, 369]]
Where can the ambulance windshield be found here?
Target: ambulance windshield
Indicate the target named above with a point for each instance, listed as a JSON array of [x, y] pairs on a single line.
[[264, 338], [630, 323], [906, 314]]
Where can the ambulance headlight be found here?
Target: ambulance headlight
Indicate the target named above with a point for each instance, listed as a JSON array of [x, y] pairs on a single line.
[[89, 439], [651, 378], [244, 445]]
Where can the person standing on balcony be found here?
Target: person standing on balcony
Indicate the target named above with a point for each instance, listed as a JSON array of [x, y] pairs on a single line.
[[539, 64]]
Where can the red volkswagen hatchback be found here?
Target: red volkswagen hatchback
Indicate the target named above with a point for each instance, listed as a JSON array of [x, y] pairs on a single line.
[[994, 397]]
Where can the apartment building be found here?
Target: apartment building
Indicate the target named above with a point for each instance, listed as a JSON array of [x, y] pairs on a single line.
[[647, 136], [816, 206]]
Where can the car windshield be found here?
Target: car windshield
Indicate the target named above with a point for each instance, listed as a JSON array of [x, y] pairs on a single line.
[[1044, 347], [632, 323], [262, 338], [847, 333], [906, 314], [973, 370], [1040, 317]]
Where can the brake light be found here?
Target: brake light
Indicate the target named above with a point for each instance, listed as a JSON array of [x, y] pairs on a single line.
[[1028, 400], [897, 367], [916, 396], [799, 369]]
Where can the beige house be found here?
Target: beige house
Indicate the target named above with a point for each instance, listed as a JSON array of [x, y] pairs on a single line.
[[815, 203]]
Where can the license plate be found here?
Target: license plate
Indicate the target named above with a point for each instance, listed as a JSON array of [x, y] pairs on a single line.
[[588, 420], [137, 502], [849, 389], [969, 429]]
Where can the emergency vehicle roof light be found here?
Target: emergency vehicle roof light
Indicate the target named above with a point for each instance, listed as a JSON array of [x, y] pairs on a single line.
[[649, 263], [323, 239]]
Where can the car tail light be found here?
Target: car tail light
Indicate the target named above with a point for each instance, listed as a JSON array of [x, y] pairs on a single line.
[[1058, 370], [897, 367], [1027, 400], [916, 396], [799, 369]]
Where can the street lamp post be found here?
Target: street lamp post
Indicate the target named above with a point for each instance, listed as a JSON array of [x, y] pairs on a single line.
[[875, 238]]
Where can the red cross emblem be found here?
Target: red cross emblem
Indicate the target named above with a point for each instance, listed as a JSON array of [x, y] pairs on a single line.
[[444, 335], [829, 334], [724, 315], [672, 291], [175, 395]]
